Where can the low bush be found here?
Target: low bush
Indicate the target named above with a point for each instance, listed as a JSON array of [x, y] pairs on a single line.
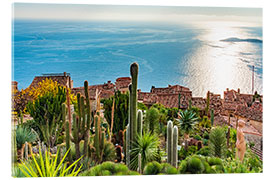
[[107, 169], [195, 165], [203, 151], [154, 168]]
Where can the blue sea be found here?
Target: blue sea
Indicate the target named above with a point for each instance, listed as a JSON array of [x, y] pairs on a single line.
[[202, 57]]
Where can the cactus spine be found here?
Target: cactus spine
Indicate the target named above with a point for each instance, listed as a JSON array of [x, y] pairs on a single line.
[[212, 117], [169, 141], [140, 119], [174, 149], [133, 103]]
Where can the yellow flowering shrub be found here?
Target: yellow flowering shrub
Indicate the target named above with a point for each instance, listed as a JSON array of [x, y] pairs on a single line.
[[21, 98]]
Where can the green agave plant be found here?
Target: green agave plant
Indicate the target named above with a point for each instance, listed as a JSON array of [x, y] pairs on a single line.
[[147, 146], [24, 134], [47, 166], [187, 121]]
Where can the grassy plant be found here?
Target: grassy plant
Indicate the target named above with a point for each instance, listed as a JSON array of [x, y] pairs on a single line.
[[47, 166]]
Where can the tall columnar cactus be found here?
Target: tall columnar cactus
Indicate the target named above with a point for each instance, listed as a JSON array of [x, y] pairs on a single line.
[[212, 117], [140, 163], [97, 136], [179, 101], [140, 119], [81, 123], [207, 103], [127, 142], [189, 104], [88, 117], [99, 140], [133, 103], [174, 149], [66, 130], [169, 141], [26, 150]]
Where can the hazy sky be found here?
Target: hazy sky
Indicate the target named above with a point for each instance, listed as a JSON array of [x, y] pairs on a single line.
[[135, 13]]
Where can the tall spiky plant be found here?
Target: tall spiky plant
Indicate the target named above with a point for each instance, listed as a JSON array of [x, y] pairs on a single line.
[[217, 142]]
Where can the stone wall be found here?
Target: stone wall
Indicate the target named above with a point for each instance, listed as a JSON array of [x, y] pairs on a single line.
[[256, 139]]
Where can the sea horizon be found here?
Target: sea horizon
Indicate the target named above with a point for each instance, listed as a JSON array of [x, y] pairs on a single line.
[[196, 56]]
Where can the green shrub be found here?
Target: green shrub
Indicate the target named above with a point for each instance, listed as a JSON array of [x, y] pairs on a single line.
[[205, 142], [195, 165], [109, 152], [108, 168], [197, 137], [152, 168], [206, 135], [182, 154], [214, 161], [168, 169], [203, 151], [183, 167]]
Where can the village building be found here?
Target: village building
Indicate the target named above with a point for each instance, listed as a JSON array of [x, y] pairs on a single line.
[[63, 79], [232, 107]]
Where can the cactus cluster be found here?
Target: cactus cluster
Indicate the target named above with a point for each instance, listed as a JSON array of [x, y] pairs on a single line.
[[172, 143], [81, 123]]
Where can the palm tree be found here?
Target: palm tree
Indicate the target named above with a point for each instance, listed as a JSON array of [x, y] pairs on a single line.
[[188, 120], [147, 146]]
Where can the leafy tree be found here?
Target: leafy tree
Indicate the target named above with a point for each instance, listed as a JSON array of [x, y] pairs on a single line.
[[120, 111], [142, 106], [47, 114], [217, 144]]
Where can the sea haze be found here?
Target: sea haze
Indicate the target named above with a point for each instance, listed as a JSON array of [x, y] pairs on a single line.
[[202, 57]]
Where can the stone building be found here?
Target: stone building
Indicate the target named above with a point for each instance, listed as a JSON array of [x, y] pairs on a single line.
[[63, 79], [168, 96]]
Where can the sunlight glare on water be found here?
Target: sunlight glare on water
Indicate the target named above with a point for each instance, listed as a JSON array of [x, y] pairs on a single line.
[[217, 65]]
